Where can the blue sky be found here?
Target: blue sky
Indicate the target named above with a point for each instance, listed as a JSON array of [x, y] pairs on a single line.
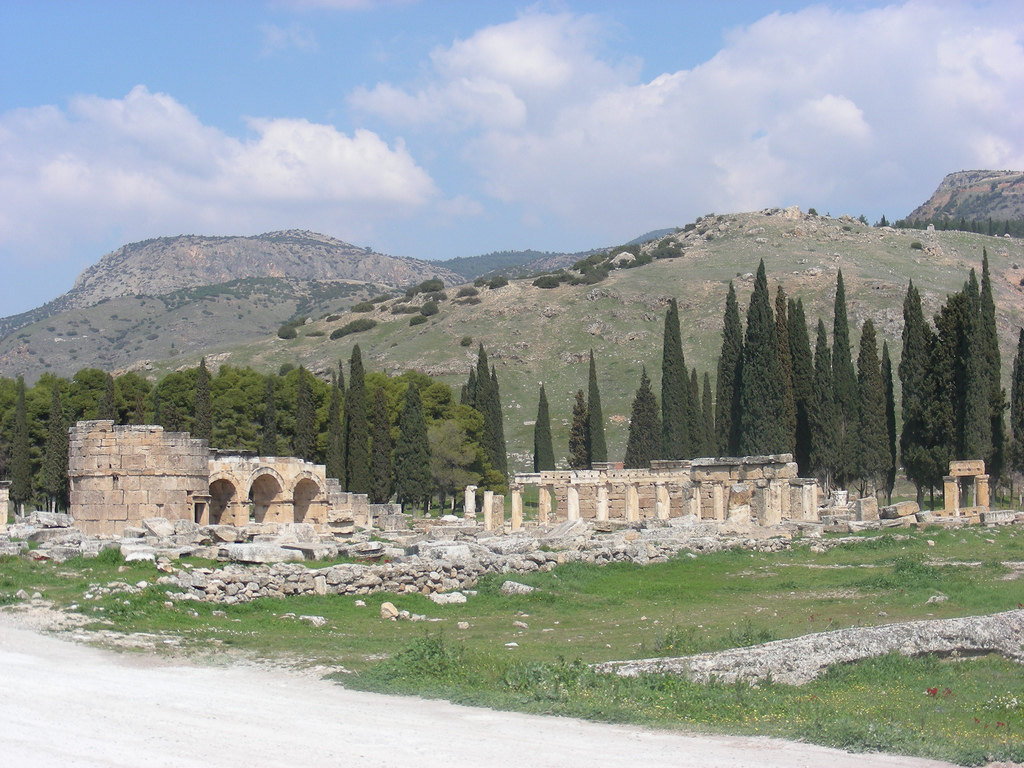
[[439, 129]]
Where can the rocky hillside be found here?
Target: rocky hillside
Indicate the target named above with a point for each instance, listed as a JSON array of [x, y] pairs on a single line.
[[975, 196]]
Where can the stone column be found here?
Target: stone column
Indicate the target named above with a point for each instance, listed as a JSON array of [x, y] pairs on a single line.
[[544, 504], [602, 501], [5, 499], [661, 501], [573, 502], [632, 503], [517, 506], [498, 513], [469, 503], [981, 491], [773, 507], [950, 495], [718, 501], [488, 510]]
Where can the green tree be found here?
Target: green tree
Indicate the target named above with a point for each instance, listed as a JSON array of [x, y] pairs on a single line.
[[500, 449], [55, 458], [382, 479], [727, 392], [1017, 407], [803, 383], [412, 452], [84, 394], [823, 418], [304, 443], [334, 456], [452, 454], [595, 418], [357, 439], [21, 459], [914, 384], [872, 442], [543, 448], [975, 433], [786, 366], [890, 422], [844, 380], [988, 343], [579, 453], [482, 393], [762, 420], [108, 404], [268, 444], [708, 410], [202, 407], [644, 441], [676, 442]]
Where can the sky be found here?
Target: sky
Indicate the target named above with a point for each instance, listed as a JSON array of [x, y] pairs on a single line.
[[439, 129]]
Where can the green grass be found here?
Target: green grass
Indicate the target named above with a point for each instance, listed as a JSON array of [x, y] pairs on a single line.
[[582, 614]]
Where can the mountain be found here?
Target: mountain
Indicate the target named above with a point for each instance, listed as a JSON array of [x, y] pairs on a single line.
[[975, 196]]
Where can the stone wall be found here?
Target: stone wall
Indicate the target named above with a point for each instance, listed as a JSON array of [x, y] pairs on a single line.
[[121, 475]]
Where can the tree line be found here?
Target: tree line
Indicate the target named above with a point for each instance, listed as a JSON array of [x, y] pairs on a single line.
[[404, 437]]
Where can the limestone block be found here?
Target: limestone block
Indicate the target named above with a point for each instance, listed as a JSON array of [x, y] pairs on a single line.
[[899, 510], [866, 508], [967, 468]]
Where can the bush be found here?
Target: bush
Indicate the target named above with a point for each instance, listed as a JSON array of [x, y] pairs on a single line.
[[480, 282], [465, 341], [812, 212], [404, 309], [428, 309], [427, 286], [470, 300], [287, 331], [315, 333], [361, 324], [363, 306], [497, 282], [916, 246], [332, 318], [284, 369], [418, 320], [467, 291], [548, 281], [436, 296]]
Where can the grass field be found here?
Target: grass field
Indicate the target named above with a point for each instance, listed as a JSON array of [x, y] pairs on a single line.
[[967, 711]]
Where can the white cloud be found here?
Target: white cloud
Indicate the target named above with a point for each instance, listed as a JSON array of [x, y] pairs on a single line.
[[145, 165], [847, 111], [279, 39]]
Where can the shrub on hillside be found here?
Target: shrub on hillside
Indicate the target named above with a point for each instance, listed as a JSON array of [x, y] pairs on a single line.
[[467, 291], [355, 326], [497, 282], [418, 320], [363, 306], [548, 281], [428, 309], [287, 331]]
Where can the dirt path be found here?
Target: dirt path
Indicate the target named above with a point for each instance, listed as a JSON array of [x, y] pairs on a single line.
[[63, 704]]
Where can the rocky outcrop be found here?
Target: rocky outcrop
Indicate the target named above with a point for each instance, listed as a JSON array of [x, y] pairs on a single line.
[[975, 196], [801, 659]]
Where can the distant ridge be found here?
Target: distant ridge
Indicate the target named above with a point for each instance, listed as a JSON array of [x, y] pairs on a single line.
[[975, 196]]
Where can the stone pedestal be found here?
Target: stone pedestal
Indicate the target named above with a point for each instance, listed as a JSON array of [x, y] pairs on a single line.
[[718, 501], [469, 503], [602, 501], [661, 501], [544, 505], [517, 507], [572, 503], [632, 504], [951, 495], [981, 491], [498, 512]]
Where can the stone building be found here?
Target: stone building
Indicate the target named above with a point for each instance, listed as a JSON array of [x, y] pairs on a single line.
[[122, 475]]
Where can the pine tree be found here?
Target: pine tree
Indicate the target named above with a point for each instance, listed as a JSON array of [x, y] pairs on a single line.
[[579, 455], [1017, 407], [644, 439], [675, 391], [108, 403], [334, 458], [412, 452], [543, 449], [786, 365], [989, 348], [21, 460], [500, 449], [844, 381], [727, 400], [708, 409], [913, 373], [595, 418], [803, 383], [890, 421], [202, 407], [55, 457], [822, 417], [762, 421], [268, 441], [872, 442], [305, 418], [357, 439], [382, 481]]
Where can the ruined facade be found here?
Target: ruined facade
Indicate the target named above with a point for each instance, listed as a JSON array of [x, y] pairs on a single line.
[[762, 490], [122, 475]]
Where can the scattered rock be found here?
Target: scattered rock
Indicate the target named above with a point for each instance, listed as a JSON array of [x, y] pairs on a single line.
[[316, 621], [447, 598], [515, 588], [388, 611]]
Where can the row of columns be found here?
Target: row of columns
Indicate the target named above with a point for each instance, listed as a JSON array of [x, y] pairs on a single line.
[[951, 493]]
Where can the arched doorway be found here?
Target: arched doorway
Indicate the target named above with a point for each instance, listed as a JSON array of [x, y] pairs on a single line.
[[222, 493], [308, 500], [265, 495]]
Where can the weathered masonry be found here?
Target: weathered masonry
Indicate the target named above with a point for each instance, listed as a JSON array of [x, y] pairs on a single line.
[[122, 475], [957, 484], [761, 490]]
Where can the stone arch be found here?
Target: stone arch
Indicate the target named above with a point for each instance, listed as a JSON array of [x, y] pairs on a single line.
[[309, 499], [266, 494], [223, 497]]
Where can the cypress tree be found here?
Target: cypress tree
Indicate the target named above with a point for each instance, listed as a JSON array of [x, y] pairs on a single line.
[[268, 442], [579, 455], [108, 403], [675, 390], [822, 417], [762, 426], [412, 452], [357, 439], [334, 456], [786, 365], [305, 418], [644, 439], [944, 398], [914, 384], [1017, 407], [989, 343], [727, 401], [543, 449], [697, 427], [21, 460], [976, 426], [202, 407], [595, 418], [55, 458], [708, 410], [382, 482], [469, 389], [873, 459], [844, 381], [803, 383], [500, 450], [890, 421]]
